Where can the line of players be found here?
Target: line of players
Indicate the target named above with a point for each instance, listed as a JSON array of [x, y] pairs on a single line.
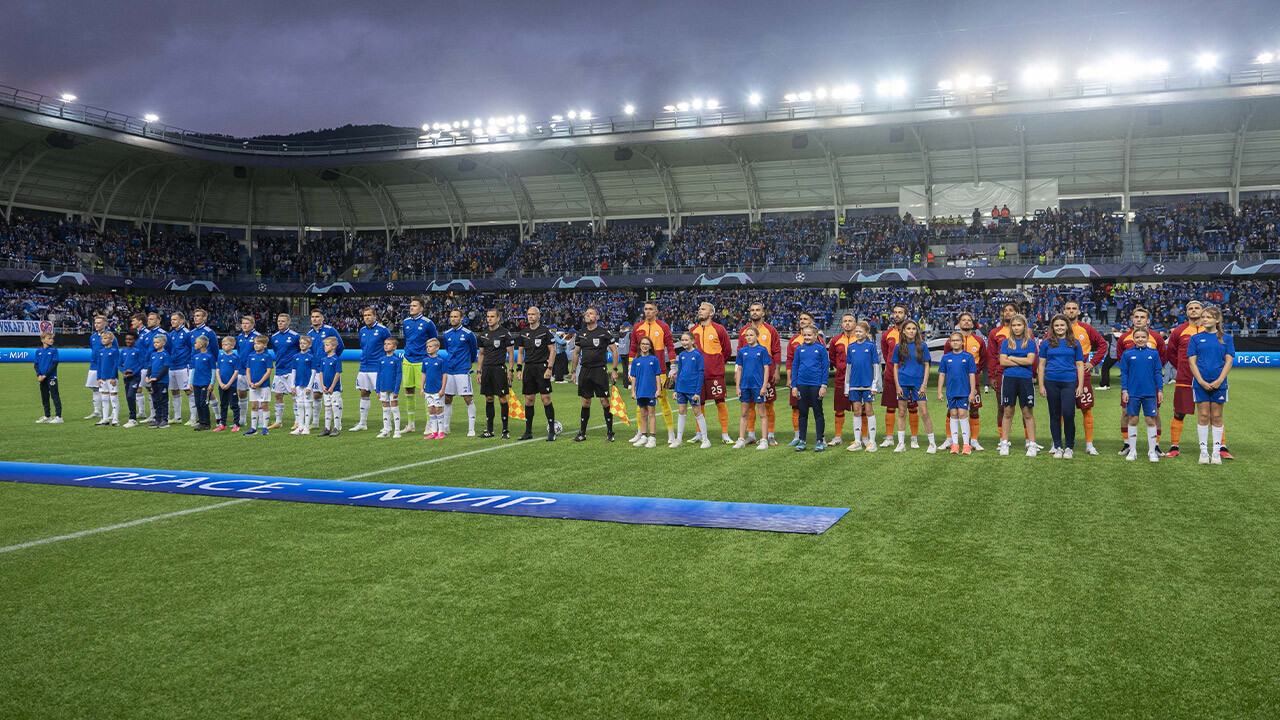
[[174, 362]]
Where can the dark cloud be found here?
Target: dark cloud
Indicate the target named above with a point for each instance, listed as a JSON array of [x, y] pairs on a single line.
[[285, 65]]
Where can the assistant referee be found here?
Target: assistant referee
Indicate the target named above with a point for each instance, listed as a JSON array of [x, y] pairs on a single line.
[[533, 370], [590, 354], [497, 355]]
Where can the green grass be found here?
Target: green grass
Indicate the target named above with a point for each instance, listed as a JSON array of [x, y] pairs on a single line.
[[959, 587]]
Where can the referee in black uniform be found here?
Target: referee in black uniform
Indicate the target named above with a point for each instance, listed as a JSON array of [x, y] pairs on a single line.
[[537, 346], [590, 354], [497, 358]]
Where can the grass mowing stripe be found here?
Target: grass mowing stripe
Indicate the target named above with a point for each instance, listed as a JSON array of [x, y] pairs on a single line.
[[119, 526]]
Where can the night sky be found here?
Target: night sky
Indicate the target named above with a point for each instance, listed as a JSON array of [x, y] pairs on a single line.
[[275, 66]]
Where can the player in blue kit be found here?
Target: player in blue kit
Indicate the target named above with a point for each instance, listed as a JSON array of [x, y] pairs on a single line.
[[91, 380], [257, 368], [861, 383], [372, 335], [417, 330], [108, 384], [180, 367], [228, 376], [47, 375], [156, 378], [284, 344], [911, 376], [1211, 354], [433, 391], [319, 332], [330, 372], [390, 376], [645, 369], [154, 327], [302, 407], [1018, 355], [810, 370], [1141, 390], [131, 361], [203, 364], [752, 373], [200, 328], [461, 351], [687, 372], [958, 386]]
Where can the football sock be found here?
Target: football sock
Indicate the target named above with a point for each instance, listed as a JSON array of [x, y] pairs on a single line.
[[395, 418], [723, 411], [191, 406], [974, 423], [1152, 433], [795, 420], [386, 417], [280, 413], [488, 415], [97, 403], [954, 430], [839, 423], [1203, 432], [890, 421], [528, 419], [608, 420], [364, 410], [1087, 420], [315, 406], [966, 430], [751, 423], [471, 417], [931, 440], [1218, 432], [1175, 430], [505, 413], [902, 437], [857, 428], [409, 407], [175, 409], [328, 414], [665, 404], [337, 412], [584, 415], [771, 415], [871, 429], [914, 417], [679, 425], [701, 422]]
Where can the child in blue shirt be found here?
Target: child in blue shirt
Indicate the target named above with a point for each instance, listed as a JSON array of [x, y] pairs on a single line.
[[861, 383], [644, 372], [1141, 390], [229, 364], [433, 390], [751, 374], [257, 368], [303, 409], [1210, 355], [331, 385], [156, 378], [203, 364], [131, 363], [1017, 356], [810, 369], [957, 377], [1061, 382], [687, 372], [47, 376], [108, 384], [911, 373], [390, 375]]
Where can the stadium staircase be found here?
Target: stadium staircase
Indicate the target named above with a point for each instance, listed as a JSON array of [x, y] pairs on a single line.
[[1131, 245], [824, 256], [365, 271]]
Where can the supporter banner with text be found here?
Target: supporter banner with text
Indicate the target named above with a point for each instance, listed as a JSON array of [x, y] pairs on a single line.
[[25, 327]]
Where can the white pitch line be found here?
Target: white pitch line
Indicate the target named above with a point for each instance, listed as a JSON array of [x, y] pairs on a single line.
[[140, 521]]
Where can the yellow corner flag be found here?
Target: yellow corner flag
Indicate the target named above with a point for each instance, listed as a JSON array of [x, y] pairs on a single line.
[[617, 406], [515, 408]]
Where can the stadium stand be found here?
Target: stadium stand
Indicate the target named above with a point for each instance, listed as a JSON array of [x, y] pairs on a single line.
[[560, 247], [735, 242], [881, 240]]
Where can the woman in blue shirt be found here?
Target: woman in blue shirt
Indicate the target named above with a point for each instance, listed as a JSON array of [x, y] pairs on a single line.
[[1018, 357], [644, 371], [810, 368], [911, 373], [1061, 382], [1210, 354]]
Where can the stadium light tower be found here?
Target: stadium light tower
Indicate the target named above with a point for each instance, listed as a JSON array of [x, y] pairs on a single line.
[[1040, 75], [754, 99], [151, 117], [68, 97], [1263, 58], [628, 109], [1206, 62], [892, 88]]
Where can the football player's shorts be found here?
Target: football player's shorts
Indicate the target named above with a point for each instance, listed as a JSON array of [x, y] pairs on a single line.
[[912, 394], [435, 400], [713, 388], [411, 372], [106, 385], [458, 384], [180, 379], [259, 394], [684, 398], [242, 381], [750, 395], [1214, 396], [387, 396], [1184, 399], [1017, 391], [91, 380], [958, 403], [367, 381], [282, 383], [861, 396], [1141, 406], [646, 402], [1084, 400]]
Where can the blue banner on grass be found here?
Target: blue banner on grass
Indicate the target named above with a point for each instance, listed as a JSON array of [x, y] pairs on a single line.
[[568, 506]]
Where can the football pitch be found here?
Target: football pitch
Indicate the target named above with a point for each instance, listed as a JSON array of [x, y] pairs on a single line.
[[955, 586]]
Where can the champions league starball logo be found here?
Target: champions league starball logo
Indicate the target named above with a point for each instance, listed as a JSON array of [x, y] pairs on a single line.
[[338, 287], [452, 285], [1234, 268], [66, 278], [592, 280], [899, 274], [1080, 270], [726, 279], [206, 285]]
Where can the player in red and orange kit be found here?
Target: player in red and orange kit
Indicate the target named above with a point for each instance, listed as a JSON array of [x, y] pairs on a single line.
[[1141, 319], [664, 347], [977, 347], [768, 337], [1184, 402], [838, 352], [1094, 347], [713, 340], [889, 398], [806, 319]]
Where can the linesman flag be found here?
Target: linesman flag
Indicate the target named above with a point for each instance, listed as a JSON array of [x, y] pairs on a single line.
[[616, 406], [515, 408]]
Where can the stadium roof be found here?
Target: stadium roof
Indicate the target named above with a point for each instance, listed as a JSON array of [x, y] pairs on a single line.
[[1179, 136]]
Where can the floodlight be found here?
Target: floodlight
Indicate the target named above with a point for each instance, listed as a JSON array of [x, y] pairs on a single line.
[[753, 99], [426, 127], [712, 104], [820, 93], [806, 96], [585, 114], [557, 118], [151, 117], [790, 97], [1265, 57], [964, 81], [697, 103], [682, 107], [511, 129], [68, 97], [510, 119], [894, 87], [983, 81], [630, 109], [1042, 74], [520, 118], [522, 128], [466, 123], [945, 84], [1156, 67], [573, 114], [668, 108], [456, 124], [1206, 62], [477, 122]]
